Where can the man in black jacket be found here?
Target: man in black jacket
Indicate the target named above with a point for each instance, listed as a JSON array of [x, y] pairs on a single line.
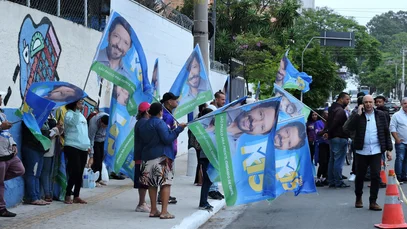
[[372, 138], [338, 140], [379, 103]]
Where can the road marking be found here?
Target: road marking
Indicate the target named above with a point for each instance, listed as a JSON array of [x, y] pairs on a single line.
[[69, 208]]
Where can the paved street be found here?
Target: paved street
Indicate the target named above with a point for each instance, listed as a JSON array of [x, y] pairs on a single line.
[[330, 208]]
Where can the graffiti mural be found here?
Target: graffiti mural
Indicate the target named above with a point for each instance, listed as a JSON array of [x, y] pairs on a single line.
[[39, 51], [89, 105]]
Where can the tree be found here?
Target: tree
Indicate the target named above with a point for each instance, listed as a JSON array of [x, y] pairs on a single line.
[[384, 26]]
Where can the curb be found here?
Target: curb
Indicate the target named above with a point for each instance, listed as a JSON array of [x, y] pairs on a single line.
[[200, 217]]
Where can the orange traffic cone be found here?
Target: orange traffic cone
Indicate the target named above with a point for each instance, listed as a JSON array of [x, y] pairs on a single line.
[[383, 174], [393, 216]]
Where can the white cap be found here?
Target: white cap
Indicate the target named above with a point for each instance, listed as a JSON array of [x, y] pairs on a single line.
[[3, 93]]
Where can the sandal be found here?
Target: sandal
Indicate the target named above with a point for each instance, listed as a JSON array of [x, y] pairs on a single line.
[[78, 200], [155, 215], [38, 202], [68, 200], [48, 199], [167, 216]]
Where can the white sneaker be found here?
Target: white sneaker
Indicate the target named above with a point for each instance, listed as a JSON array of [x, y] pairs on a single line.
[[352, 178], [143, 208]]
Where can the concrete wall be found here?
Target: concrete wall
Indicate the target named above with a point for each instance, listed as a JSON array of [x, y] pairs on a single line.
[[68, 52]]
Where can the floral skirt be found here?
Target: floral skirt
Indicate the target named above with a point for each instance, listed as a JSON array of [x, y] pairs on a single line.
[[157, 172]]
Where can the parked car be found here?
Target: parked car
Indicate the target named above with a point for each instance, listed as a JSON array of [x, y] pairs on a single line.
[[393, 108]]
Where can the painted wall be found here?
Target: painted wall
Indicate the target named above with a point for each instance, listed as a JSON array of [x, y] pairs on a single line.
[[41, 47]]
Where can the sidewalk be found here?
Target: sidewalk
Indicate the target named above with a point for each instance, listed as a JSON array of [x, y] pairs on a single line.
[[113, 206]]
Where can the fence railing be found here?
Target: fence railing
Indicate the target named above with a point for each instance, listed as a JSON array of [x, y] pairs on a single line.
[[93, 14], [90, 13]]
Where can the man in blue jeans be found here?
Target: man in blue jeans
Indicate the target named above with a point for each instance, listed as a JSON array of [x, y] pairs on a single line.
[[338, 140], [398, 128]]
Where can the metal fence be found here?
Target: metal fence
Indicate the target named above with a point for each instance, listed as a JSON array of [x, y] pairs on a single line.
[[94, 13], [90, 13]]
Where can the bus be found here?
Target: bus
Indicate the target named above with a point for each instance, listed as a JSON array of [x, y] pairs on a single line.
[[365, 89]]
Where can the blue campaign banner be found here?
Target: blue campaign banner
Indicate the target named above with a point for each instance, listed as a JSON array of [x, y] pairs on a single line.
[[288, 166], [192, 85], [42, 97], [242, 135], [290, 106], [120, 59], [289, 77]]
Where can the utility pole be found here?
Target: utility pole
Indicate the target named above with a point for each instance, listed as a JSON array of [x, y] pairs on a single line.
[[201, 29], [402, 76], [214, 30]]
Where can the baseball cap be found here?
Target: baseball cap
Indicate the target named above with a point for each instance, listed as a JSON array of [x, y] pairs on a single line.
[[143, 107], [2, 93], [168, 96]]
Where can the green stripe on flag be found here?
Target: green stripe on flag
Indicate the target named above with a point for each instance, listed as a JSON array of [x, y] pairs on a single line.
[[124, 151], [188, 107], [225, 159], [206, 143]]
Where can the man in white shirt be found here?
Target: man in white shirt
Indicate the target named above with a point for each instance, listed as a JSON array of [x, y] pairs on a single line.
[[398, 128], [372, 138]]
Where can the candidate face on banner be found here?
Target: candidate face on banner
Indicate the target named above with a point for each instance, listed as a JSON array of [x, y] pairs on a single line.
[[192, 85], [241, 136], [61, 93], [288, 166], [290, 106], [120, 59]]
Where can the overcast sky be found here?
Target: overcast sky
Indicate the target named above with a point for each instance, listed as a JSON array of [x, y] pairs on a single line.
[[363, 10]]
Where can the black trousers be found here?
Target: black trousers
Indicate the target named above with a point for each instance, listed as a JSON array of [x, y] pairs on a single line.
[[98, 156], [324, 153], [74, 169], [362, 163], [206, 183]]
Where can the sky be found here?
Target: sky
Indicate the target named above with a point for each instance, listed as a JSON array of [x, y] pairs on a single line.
[[363, 10]]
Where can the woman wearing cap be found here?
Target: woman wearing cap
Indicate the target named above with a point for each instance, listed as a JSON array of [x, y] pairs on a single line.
[[157, 159], [142, 118]]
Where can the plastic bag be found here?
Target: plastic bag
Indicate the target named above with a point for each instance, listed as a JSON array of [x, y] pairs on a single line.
[[85, 180], [105, 174]]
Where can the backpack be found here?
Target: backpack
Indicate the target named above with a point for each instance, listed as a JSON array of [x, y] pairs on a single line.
[[91, 115]]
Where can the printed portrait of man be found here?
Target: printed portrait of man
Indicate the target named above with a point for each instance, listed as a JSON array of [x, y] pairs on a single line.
[[119, 43], [290, 136], [196, 84], [281, 72]]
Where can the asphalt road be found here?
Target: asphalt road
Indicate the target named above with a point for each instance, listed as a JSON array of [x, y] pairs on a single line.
[[329, 208]]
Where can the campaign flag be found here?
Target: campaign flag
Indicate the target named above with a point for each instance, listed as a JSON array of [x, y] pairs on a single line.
[[242, 135], [290, 106], [289, 77], [203, 129], [120, 59], [41, 99], [192, 85], [288, 166], [257, 92], [155, 81]]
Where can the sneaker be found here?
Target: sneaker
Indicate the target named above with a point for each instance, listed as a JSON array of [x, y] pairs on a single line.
[[170, 201], [6, 213], [319, 184], [207, 207], [143, 208], [173, 198], [220, 194], [352, 178], [344, 177], [214, 195], [343, 185]]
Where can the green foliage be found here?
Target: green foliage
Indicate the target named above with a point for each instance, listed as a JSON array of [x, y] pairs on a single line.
[[384, 26]]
